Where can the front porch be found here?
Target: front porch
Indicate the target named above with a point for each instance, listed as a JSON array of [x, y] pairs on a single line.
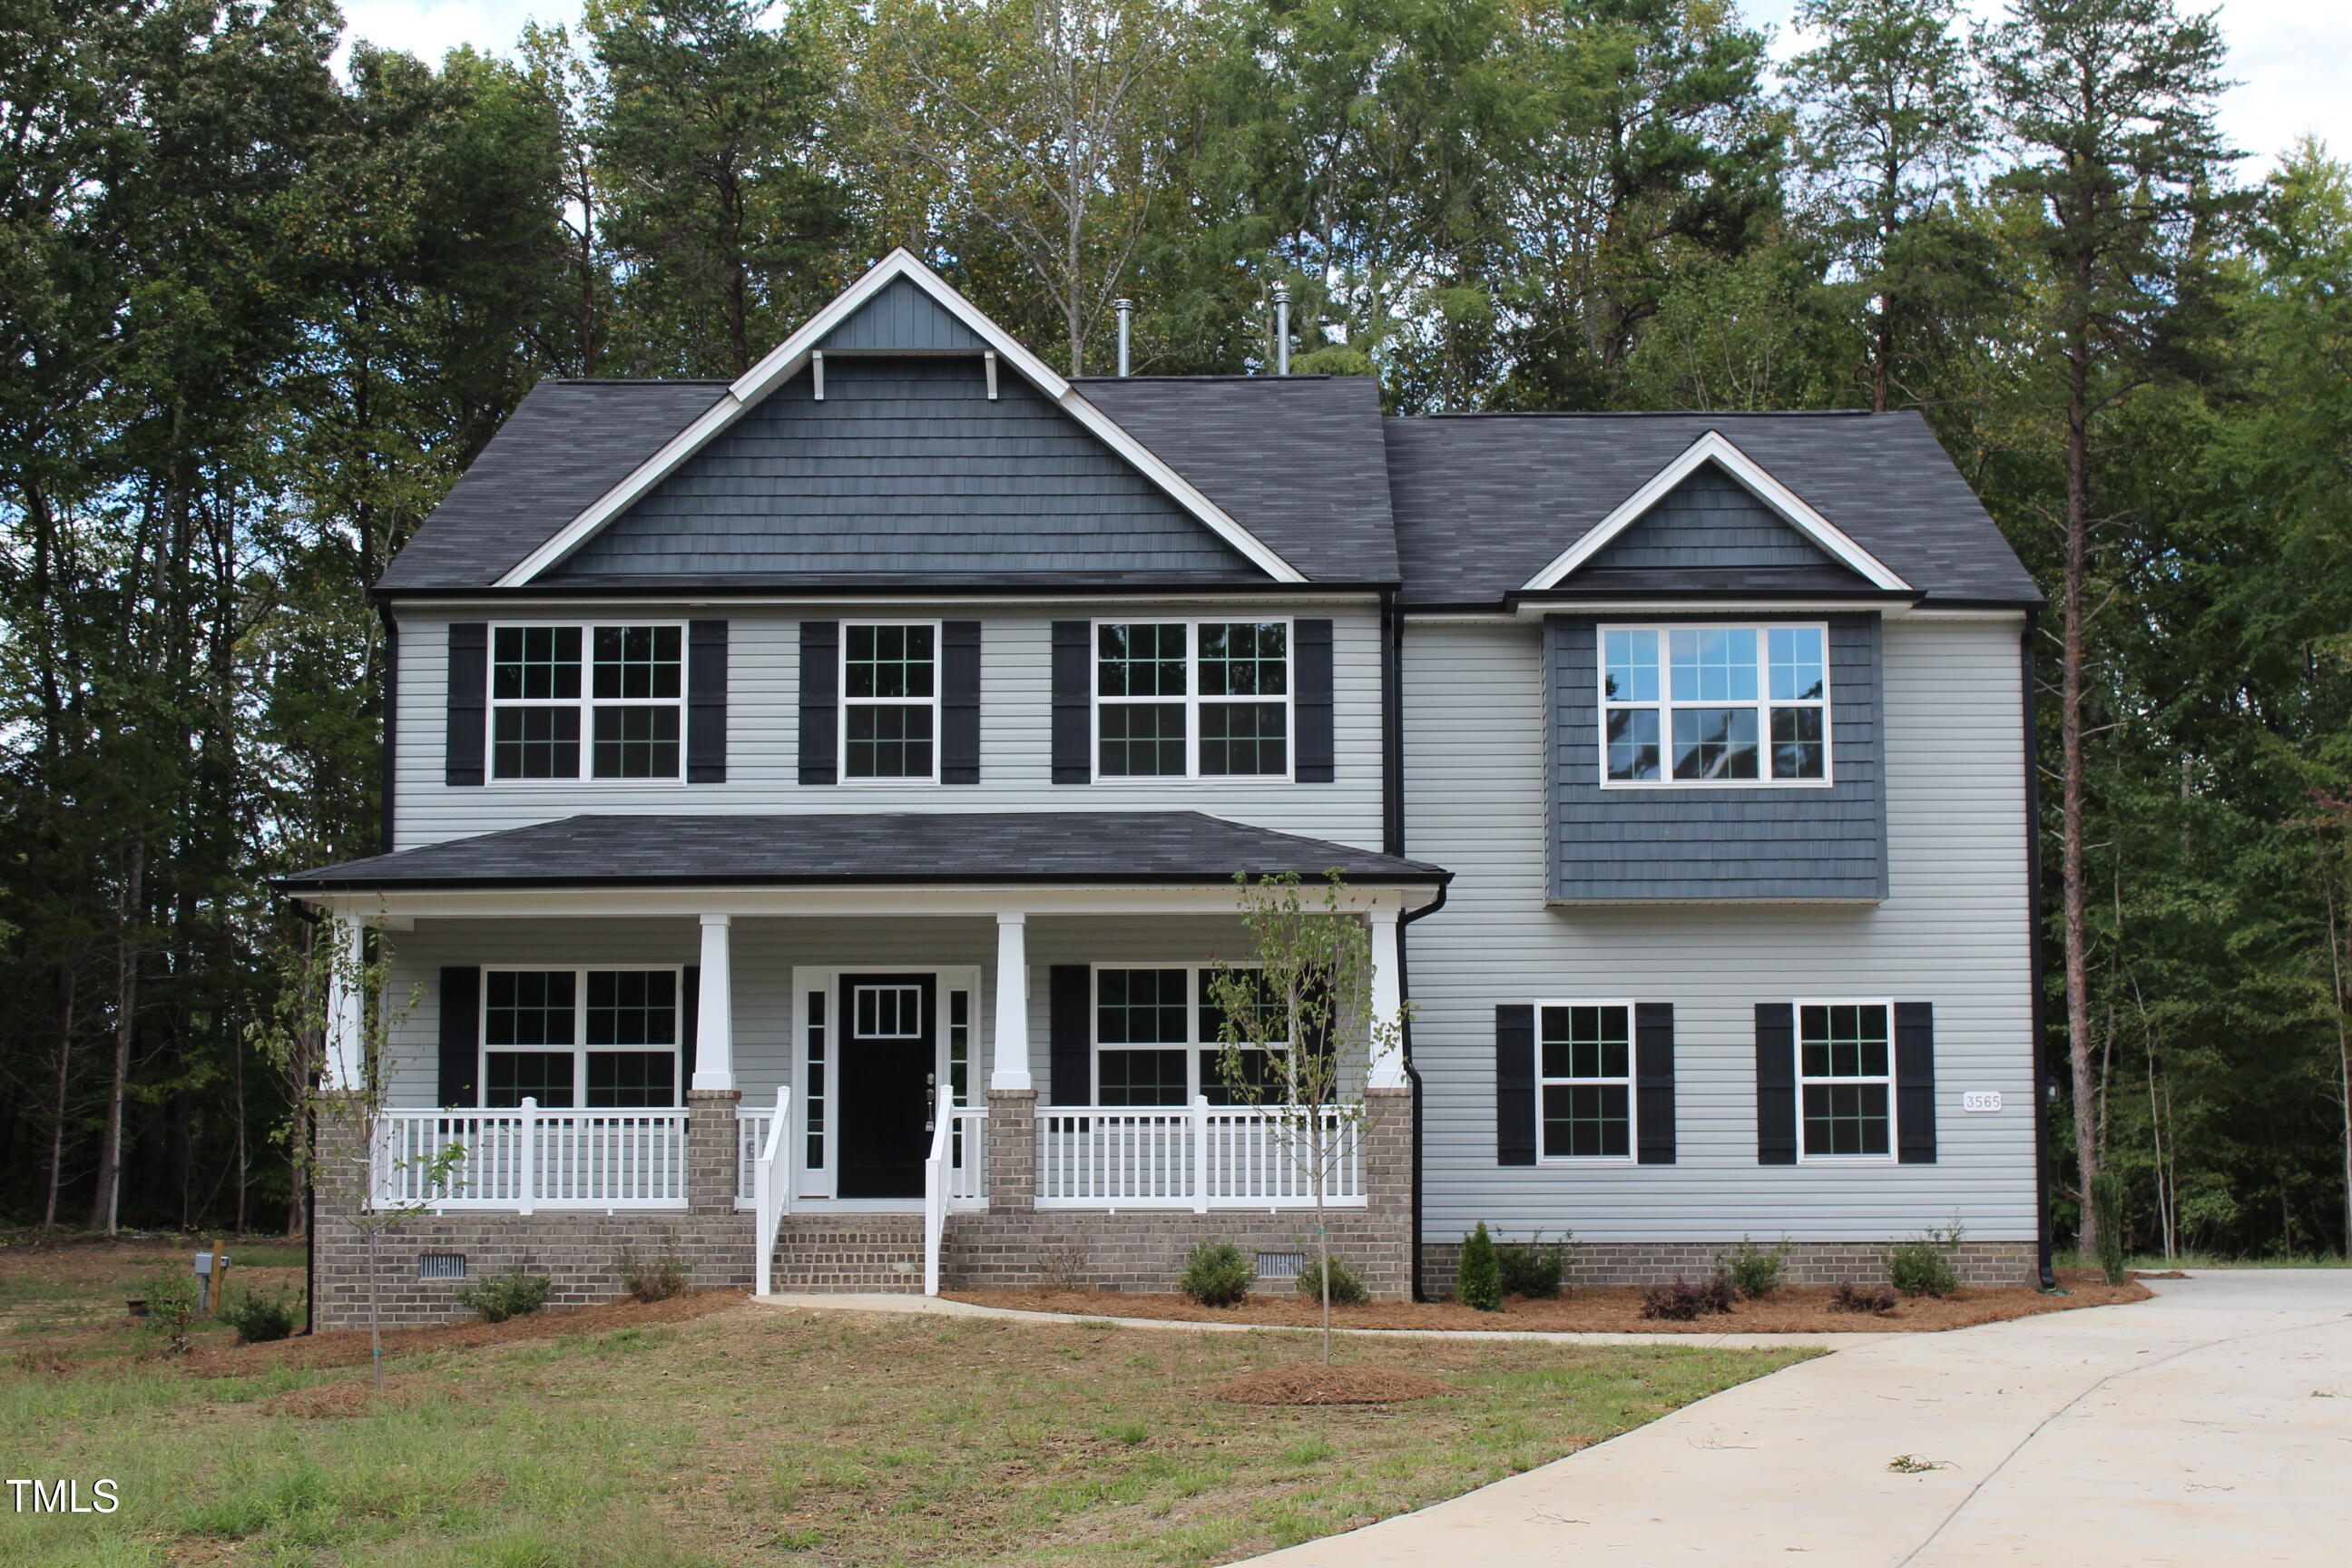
[[851, 1088]]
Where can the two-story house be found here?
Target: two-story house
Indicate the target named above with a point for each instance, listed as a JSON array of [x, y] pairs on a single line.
[[812, 805]]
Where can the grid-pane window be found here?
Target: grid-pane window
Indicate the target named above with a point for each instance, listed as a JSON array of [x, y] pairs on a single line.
[[1714, 705], [1843, 1078], [596, 702], [1158, 1039], [1193, 700], [1584, 1081], [1260, 1065], [813, 1094], [580, 1037], [890, 702]]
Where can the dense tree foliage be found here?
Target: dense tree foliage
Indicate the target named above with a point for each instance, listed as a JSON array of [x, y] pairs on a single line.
[[259, 313]]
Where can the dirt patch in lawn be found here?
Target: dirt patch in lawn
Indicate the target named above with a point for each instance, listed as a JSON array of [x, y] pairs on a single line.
[[1797, 1309], [349, 1347], [336, 1399], [1302, 1384]]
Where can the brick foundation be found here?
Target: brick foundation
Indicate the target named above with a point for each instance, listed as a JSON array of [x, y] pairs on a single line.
[[1812, 1263]]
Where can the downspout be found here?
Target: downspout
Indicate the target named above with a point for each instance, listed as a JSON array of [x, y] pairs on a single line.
[[2033, 953], [1393, 843], [310, 1193], [1412, 1073], [384, 835]]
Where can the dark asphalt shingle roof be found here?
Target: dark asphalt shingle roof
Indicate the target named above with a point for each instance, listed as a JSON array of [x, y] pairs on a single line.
[[565, 445], [1297, 460], [1483, 502], [1109, 848]]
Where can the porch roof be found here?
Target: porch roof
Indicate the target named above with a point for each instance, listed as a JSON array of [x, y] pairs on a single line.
[[1114, 849]]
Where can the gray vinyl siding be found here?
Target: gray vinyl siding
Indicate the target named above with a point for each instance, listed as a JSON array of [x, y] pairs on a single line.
[[906, 466], [1015, 737], [1734, 842], [762, 956], [902, 319], [1711, 520], [1953, 930]]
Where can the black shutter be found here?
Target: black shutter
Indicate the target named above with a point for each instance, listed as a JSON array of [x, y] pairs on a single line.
[[1515, 1084], [960, 702], [689, 1026], [1776, 1084], [461, 1038], [1073, 702], [1654, 1081], [706, 702], [820, 702], [1915, 1082], [1311, 707], [1069, 1033], [469, 690]]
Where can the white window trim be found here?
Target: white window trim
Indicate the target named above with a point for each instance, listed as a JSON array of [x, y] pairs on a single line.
[[1192, 699], [817, 1182], [1194, 1086], [1894, 1105], [581, 1049], [841, 684], [1667, 704], [585, 703], [1632, 1101]]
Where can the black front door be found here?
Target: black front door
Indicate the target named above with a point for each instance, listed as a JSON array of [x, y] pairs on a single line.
[[888, 1059]]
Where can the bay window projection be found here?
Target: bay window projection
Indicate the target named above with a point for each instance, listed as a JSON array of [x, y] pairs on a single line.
[[608, 697], [1193, 700], [891, 704], [1845, 1079], [580, 1038], [1714, 705], [1157, 1040], [1584, 1081]]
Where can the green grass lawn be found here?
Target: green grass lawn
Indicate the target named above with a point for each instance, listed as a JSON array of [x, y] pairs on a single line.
[[756, 1437]]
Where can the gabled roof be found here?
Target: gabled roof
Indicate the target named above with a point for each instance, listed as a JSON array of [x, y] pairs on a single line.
[[1108, 848], [791, 357], [1488, 504]]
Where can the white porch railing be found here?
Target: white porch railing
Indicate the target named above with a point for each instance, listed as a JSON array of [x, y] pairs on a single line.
[[771, 1190], [528, 1159], [955, 1175], [751, 1142], [1199, 1156]]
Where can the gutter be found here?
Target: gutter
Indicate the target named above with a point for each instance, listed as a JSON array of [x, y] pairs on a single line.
[[2039, 1026]]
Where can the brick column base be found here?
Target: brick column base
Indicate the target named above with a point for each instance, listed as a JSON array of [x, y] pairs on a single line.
[[1388, 1192], [713, 1152], [1012, 1151]]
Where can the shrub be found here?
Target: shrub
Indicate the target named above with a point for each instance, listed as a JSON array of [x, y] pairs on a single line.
[[1682, 1301], [1478, 1282], [2107, 1208], [1756, 1270], [1853, 1297], [654, 1279], [516, 1295], [1346, 1285], [171, 1306], [1923, 1266], [1532, 1268], [258, 1317], [1217, 1275]]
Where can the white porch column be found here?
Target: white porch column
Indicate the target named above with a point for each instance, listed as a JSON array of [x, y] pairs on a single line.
[[346, 1007], [714, 1047], [1010, 1070], [1387, 1001]]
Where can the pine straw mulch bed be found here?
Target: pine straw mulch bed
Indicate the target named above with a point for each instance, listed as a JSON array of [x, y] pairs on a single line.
[[1616, 1310], [1302, 1384], [349, 1347]]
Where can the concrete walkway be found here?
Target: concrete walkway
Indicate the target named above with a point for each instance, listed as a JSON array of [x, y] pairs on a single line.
[[2211, 1426]]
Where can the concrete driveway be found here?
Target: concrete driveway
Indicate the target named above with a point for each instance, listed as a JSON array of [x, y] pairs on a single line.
[[2210, 1427]]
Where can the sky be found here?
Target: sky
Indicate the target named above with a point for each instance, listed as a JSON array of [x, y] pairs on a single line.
[[2287, 56]]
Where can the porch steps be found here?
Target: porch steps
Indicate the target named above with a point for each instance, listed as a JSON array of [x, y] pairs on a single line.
[[850, 1252]]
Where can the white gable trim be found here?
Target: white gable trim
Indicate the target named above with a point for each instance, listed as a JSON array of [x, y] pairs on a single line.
[[790, 356], [1715, 448]]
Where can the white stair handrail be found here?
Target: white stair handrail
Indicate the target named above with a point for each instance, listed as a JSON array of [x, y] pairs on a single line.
[[772, 1194], [935, 1196]]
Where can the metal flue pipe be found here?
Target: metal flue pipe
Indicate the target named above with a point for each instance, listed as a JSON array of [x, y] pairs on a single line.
[[1126, 309], [1282, 329]]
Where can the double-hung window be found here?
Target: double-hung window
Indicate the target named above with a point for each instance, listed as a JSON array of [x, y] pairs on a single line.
[[572, 1038], [1714, 705], [1158, 1038], [1192, 699], [890, 702], [570, 702], [1844, 1083], [1584, 1079]]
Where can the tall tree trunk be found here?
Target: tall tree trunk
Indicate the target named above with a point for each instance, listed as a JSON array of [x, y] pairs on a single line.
[[2074, 891], [105, 1204], [57, 1100]]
